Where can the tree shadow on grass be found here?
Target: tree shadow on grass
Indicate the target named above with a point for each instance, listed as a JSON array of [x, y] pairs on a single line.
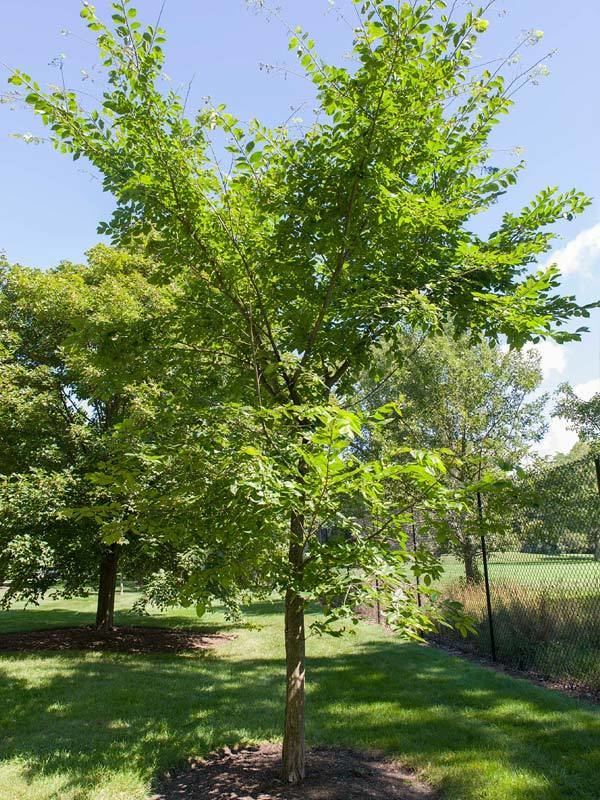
[[89, 715], [465, 721], [83, 717], [36, 618], [55, 615], [40, 618]]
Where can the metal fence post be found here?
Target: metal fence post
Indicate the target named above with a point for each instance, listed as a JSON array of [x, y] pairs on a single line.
[[486, 576], [378, 605], [414, 538], [597, 463]]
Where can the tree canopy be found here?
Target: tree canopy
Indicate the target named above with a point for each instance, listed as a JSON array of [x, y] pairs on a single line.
[[582, 416], [301, 257], [77, 343], [474, 400]]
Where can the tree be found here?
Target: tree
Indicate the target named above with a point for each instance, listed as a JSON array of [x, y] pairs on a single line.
[[312, 250], [576, 453], [42, 435], [558, 507], [75, 342], [470, 398], [583, 416]]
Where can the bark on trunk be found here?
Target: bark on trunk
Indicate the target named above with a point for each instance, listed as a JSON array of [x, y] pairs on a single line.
[[107, 588], [472, 573], [597, 549], [294, 748]]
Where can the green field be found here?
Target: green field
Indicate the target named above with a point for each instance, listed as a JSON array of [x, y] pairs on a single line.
[[572, 574], [101, 726]]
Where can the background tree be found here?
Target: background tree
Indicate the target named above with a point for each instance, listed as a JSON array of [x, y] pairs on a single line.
[[472, 399], [311, 250], [76, 343], [558, 507], [582, 416], [578, 451]]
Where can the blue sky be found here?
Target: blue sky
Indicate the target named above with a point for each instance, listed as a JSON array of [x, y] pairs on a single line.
[[50, 206]]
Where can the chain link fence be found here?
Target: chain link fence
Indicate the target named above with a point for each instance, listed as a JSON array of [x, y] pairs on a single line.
[[532, 583]]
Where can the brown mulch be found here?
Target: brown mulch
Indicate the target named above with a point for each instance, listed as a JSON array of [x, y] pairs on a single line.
[[252, 773], [125, 639]]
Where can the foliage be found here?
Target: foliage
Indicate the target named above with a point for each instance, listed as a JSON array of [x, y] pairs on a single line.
[[301, 241], [39, 545], [462, 395], [230, 518], [576, 453], [583, 416], [76, 341], [310, 251], [558, 508]]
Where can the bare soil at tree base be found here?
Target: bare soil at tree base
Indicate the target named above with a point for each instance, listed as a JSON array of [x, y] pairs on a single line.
[[253, 773]]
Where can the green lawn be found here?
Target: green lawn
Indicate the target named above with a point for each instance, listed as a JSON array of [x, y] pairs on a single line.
[[100, 726], [573, 574]]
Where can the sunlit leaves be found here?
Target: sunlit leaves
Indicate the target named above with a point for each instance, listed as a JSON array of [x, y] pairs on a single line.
[[301, 252]]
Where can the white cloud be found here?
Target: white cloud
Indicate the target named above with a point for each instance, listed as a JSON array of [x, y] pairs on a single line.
[[559, 439], [581, 254], [553, 358], [588, 389]]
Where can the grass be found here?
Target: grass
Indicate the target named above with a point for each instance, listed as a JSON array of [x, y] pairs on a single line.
[[574, 574], [546, 612], [82, 611], [98, 726], [536, 629]]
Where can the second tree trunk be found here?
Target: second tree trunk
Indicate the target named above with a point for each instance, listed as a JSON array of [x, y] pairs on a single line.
[[105, 612]]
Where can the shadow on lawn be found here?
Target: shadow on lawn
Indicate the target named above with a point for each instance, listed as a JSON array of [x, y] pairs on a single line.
[[18, 620], [90, 716]]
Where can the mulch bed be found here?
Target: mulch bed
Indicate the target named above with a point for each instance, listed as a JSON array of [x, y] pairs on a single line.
[[125, 639], [252, 773]]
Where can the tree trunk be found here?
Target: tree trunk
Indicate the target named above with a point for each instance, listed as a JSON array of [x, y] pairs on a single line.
[[597, 549], [293, 767], [107, 589], [472, 573]]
